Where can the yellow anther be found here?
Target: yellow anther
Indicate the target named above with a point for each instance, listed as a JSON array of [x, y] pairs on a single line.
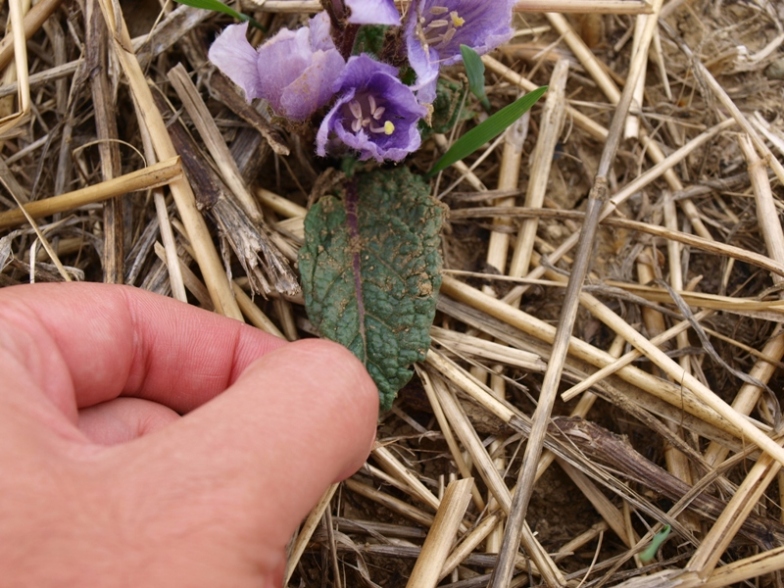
[[389, 128], [457, 20]]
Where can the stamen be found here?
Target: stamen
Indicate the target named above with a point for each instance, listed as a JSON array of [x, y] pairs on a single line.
[[356, 125], [448, 36], [356, 110], [436, 24], [457, 20], [371, 103], [378, 112], [436, 10]]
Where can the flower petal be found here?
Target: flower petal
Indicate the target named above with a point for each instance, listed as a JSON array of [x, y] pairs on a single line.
[[435, 29], [294, 71], [374, 12], [313, 88], [375, 115], [236, 58]]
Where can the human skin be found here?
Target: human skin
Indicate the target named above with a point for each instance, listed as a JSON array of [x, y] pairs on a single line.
[[103, 483]]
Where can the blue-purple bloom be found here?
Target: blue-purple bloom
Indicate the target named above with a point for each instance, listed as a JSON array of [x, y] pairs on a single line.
[[373, 12], [293, 71], [435, 29], [375, 114]]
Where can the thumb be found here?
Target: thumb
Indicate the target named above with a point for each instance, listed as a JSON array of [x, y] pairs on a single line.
[[238, 474]]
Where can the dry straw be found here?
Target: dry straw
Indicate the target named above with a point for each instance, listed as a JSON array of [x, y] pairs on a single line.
[[674, 295]]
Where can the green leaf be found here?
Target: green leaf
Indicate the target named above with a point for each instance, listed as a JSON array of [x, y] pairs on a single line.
[[486, 131], [650, 551], [217, 6], [370, 270], [370, 39], [475, 70]]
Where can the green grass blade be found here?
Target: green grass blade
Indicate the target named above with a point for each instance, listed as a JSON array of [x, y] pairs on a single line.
[[475, 70], [659, 538], [486, 131], [217, 6]]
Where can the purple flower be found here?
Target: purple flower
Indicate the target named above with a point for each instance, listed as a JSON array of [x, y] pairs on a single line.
[[376, 114], [373, 12], [293, 71], [435, 29]]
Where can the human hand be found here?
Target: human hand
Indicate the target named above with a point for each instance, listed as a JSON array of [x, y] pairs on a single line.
[[104, 484]]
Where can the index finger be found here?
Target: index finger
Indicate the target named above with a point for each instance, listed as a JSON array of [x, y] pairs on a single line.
[[83, 344]]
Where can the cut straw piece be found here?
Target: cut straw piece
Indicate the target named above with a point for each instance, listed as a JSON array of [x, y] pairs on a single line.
[[441, 537], [254, 314], [189, 280], [282, 206], [394, 504], [170, 247], [767, 215], [306, 532], [551, 123], [632, 128], [153, 176], [43, 77], [585, 6], [392, 466], [487, 350]]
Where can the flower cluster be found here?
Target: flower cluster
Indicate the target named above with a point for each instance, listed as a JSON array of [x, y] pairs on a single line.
[[372, 112]]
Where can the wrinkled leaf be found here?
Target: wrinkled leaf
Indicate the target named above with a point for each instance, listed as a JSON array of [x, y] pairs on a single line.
[[487, 130], [217, 6], [370, 270], [447, 108]]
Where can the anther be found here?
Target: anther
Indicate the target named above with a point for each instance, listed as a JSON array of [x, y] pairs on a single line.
[[436, 24], [356, 109]]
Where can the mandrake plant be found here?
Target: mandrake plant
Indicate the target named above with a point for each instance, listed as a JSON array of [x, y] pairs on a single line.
[[368, 79]]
